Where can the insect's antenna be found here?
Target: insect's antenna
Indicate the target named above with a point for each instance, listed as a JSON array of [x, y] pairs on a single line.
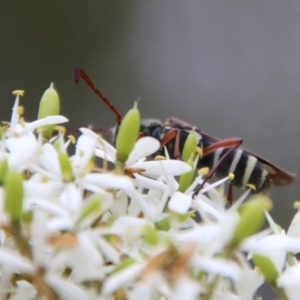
[[80, 73]]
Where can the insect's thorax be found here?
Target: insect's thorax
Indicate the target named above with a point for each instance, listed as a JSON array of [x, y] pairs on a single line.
[[153, 128], [159, 131]]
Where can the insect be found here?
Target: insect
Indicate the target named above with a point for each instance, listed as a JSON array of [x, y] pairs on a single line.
[[221, 156], [247, 167]]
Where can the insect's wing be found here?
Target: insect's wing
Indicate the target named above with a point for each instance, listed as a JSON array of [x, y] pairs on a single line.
[[277, 175], [177, 123]]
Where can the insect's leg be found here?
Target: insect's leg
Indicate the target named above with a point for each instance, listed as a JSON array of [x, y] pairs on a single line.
[[170, 135], [233, 143], [229, 194], [141, 134]]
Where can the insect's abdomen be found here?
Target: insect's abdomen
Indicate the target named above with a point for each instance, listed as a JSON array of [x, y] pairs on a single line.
[[244, 166]]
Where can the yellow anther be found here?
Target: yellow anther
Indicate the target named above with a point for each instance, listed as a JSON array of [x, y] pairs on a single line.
[[3, 129], [296, 204], [159, 157], [22, 122], [90, 166], [20, 110], [80, 153], [192, 213], [44, 179], [257, 270], [203, 171], [231, 176], [61, 129], [251, 186], [268, 204], [199, 151], [40, 130], [72, 139], [18, 92]]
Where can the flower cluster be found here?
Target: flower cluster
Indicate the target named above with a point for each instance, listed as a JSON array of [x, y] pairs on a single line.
[[75, 228]]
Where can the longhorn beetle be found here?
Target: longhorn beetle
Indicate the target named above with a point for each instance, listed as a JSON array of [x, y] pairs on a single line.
[[221, 156]]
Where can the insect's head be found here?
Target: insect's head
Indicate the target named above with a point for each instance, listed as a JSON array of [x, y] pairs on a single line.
[[152, 127]]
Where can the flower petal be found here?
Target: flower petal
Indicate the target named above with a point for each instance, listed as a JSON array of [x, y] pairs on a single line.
[[121, 279], [143, 147], [65, 289], [49, 160], [22, 151], [41, 122], [290, 282], [13, 259], [108, 181], [294, 229], [180, 203], [186, 289], [85, 149], [163, 167], [148, 183]]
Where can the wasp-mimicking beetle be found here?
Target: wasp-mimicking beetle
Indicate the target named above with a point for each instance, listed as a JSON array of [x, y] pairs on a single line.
[[221, 156]]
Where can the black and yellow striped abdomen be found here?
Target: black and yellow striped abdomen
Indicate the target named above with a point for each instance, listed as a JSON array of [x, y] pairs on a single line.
[[245, 167]]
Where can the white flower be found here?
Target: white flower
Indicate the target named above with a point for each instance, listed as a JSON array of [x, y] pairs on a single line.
[[289, 280], [97, 232], [15, 129], [143, 148]]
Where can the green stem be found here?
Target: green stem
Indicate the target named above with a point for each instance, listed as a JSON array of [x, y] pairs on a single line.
[[20, 241], [211, 288]]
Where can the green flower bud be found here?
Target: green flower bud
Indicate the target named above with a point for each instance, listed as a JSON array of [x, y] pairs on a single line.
[[150, 234], [180, 218], [27, 216], [49, 106], [267, 268], [123, 265], [3, 170], [186, 179], [128, 134], [13, 187], [163, 224], [252, 218], [190, 146], [2, 130], [188, 155], [57, 144], [92, 205], [65, 166]]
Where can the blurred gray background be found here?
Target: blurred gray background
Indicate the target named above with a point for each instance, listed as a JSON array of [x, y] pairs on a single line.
[[232, 68]]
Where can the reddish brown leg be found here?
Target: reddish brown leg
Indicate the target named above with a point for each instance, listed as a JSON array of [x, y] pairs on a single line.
[[229, 194], [234, 143], [141, 134], [170, 135]]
